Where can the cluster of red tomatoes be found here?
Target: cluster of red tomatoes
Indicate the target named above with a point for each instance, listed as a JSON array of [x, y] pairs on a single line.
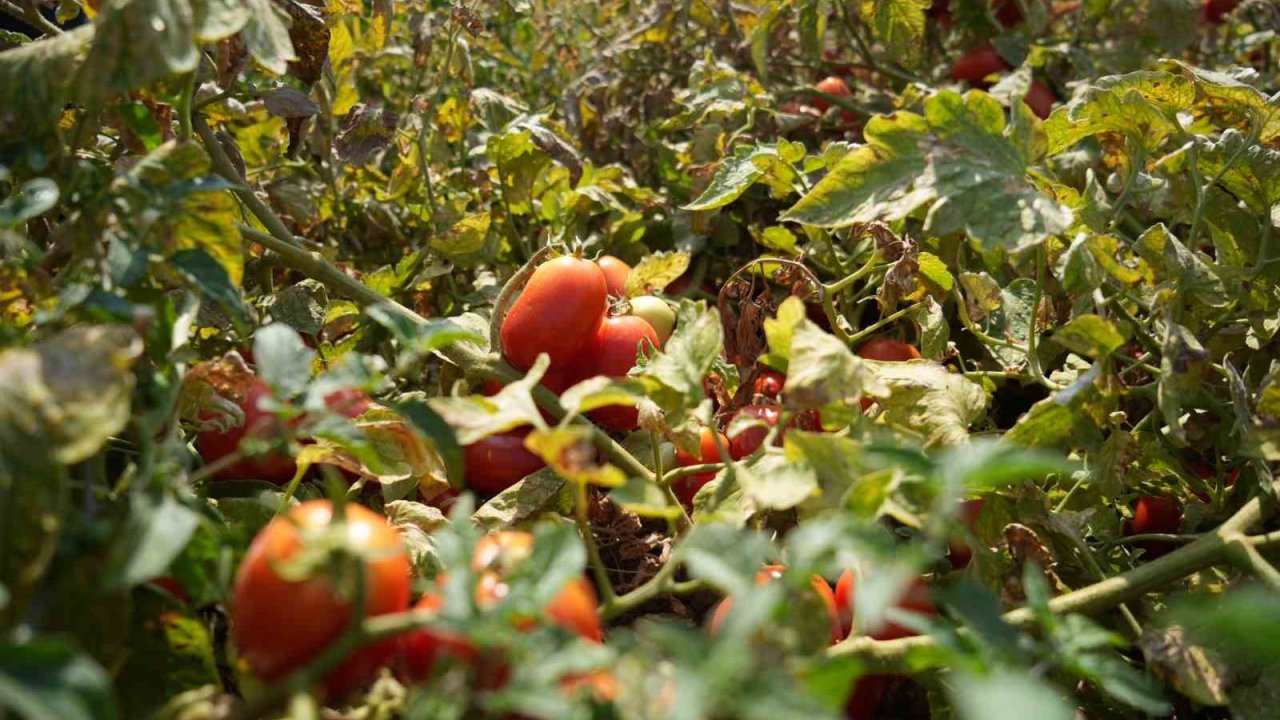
[[262, 424], [283, 617], [564, 311], [866, 694], [766, 410]]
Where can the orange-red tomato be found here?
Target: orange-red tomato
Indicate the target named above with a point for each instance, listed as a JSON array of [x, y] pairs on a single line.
[[1155, 514], [558, 313], [613, 353], [959, 554], [749, 440], [975, 65], [575, 609], [688, 486], [173, 587], [887, 349], [832, 85], [260, 424], [867, 692], [615, 274], [280, 624], [915, 599], [1008, 12], [1041, 99], [497, 462], [768, 575], [1216, 11], [769, 383]]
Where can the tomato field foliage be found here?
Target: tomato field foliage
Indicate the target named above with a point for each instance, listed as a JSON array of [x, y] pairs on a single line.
[[669, 359]]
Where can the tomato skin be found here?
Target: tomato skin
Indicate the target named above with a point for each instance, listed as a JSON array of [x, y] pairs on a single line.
[[348, 402], [767, 575], [280, 625], [259, 423], [1155, 514], [867, 692], [613, 354], [749, 440], [959, 554], [615, 274], [1216, 11], [1041, 99], [497, 462], [1008, 12], [915, 599], [558, 312], [657, 313], [769, 383], [575, 608], [831, 85], [688, 486], [173, 587], [975, 65], [887, 349]]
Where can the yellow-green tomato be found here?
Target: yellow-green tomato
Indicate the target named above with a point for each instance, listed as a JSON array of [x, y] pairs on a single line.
[[657, 313]]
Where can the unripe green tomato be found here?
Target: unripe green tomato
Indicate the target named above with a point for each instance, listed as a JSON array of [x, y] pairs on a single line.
[[657, 313]]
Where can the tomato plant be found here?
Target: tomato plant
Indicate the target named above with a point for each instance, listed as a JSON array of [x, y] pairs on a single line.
[[1004, 272]]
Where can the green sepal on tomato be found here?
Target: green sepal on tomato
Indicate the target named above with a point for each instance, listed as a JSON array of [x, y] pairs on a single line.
[[286, 609]]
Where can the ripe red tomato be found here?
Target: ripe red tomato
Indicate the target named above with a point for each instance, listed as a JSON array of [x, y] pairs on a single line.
[[867, 692], [1008, 12], [831, 85], [173, 587], [613, 353], [260, 424], [915, 599], [688, 486], [768, 575], [280, 624], [1155, 514], [615, 274], [769, 383], [499, 461], [975, 65], [575, 609], [558, 312], [1041, 99], [348, 402], [1216, 11], [887, 349], [749, 440], [959, 554]]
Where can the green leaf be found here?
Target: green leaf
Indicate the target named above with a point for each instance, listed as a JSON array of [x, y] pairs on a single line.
[[137, 42], [986, 464], [155, 534], [218, 19], [1089, 335], [284, 360], [824, 373], [72, 392], [565, 450], [33, 199], [49, 680], [266, 34], [466, 236], [740, 172], [535, 495], [956, 158], [171, 652], [1007, 695], [1182, 361], [35, 85], [655, 272], [211, 280], [775, 483], [303, 306], [923, 396], [898, 25], [1140, 105]]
